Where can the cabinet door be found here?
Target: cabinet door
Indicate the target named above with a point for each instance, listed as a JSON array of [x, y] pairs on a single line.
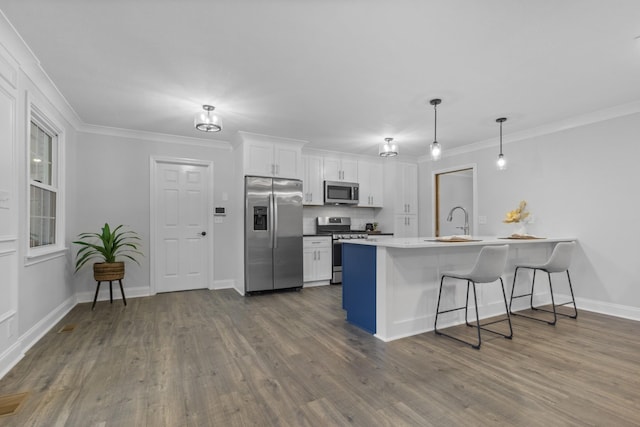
[[405, 226], [323, 262], [331, 169], [376, 183], [259, 159], [371, 184], [410, 187], [406, 186], [364, 179], [349, 170], [308, 264], [287, 160], [312, 186]]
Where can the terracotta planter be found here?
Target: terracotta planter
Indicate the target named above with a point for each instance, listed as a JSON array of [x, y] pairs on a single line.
[[108, 271]]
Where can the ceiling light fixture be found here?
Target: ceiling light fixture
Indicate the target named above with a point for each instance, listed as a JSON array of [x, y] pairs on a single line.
[[388, 149], [502, 162], [435, 148], [206, 121]]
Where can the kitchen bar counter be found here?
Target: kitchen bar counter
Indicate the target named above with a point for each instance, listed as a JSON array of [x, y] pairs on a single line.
[[390, 285]]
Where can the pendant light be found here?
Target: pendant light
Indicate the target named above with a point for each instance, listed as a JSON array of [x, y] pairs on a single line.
[[435, 148], [501, 163], [207, 121], [388, 148]]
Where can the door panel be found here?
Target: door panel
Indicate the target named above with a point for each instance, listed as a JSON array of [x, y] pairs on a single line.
[[287, 254], [182, 205], [258, 241]]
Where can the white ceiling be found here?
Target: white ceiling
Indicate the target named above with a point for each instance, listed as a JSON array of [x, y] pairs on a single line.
[[341, 74]]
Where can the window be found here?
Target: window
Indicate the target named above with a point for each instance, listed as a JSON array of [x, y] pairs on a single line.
[[45, 194]]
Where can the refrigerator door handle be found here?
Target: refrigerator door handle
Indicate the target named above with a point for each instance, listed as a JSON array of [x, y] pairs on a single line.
[[271, 221], [274, 215]]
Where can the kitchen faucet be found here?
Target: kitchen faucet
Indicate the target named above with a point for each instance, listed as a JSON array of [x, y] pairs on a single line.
[[465, 229]]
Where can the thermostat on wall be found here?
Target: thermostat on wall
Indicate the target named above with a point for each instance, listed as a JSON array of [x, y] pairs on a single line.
[[220, 211]]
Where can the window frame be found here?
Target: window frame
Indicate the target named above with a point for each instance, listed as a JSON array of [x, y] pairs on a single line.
[[44, 119]]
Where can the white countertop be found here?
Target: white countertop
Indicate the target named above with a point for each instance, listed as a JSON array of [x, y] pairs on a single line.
[[431, 242]]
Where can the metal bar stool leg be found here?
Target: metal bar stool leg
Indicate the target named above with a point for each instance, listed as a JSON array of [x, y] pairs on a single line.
[[96, 296], [513, 288], [435, 324], [507, 309], [553, 303], [475, 300], [533, 283], [110, 292], [466, 305], [122, 292], [573, 299]]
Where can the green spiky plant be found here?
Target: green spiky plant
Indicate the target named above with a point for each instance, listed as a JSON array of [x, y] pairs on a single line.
[[108, 246]]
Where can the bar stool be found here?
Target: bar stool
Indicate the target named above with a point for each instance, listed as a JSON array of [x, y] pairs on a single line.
[[489, 267], [558, 262]]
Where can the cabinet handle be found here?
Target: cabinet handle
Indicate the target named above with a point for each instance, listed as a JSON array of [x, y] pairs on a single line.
[[315, 253], [318, 255], [310, 197], [277, 169]]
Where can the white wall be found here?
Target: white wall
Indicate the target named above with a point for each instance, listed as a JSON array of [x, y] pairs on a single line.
[[578, 182], [113, 185], [35, 293]]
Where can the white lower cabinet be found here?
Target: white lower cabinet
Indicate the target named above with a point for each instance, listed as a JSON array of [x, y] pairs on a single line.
[[317, 259], [405, 226]]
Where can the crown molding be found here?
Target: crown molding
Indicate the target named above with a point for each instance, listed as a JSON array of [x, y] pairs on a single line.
[[155, 137], [554, 127]]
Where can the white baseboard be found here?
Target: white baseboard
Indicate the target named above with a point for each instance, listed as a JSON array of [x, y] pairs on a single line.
[[317, 283], [223, 284], [103, 295], [10, 358], [611, 309], [14, 354]]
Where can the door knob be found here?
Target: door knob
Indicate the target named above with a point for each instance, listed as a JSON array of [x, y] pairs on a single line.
[[204, 233]]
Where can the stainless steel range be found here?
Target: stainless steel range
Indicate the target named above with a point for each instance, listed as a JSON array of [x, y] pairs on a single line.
[[339, 228]]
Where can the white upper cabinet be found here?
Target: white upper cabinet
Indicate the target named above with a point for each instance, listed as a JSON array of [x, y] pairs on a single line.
[[312, 185], [370, 178], [406, 182], [340, 169], [267, 156]]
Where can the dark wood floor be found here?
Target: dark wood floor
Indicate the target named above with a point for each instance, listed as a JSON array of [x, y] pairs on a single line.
[[214, 358]]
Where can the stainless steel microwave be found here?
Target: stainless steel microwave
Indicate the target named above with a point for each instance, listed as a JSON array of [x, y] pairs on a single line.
[[341, 193]]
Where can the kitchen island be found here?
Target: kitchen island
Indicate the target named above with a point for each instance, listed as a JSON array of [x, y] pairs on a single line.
[[390, 285]]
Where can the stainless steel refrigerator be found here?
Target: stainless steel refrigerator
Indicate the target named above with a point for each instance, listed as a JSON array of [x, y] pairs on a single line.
[[272, 234]]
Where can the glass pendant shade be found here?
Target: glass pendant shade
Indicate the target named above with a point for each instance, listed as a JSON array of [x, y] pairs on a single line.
[[207, 121], [388, 148], [501, 164], [436, 150]]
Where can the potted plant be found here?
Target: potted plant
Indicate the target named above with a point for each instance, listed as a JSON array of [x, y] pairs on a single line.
[[107, 247]]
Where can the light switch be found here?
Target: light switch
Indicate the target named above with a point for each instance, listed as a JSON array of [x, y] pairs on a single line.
[[482, 219], [218, 220]]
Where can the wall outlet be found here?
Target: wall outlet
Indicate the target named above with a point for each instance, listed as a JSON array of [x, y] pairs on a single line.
[[482, 219]]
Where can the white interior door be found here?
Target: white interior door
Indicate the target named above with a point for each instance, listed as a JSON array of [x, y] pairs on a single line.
[[182, 238]]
